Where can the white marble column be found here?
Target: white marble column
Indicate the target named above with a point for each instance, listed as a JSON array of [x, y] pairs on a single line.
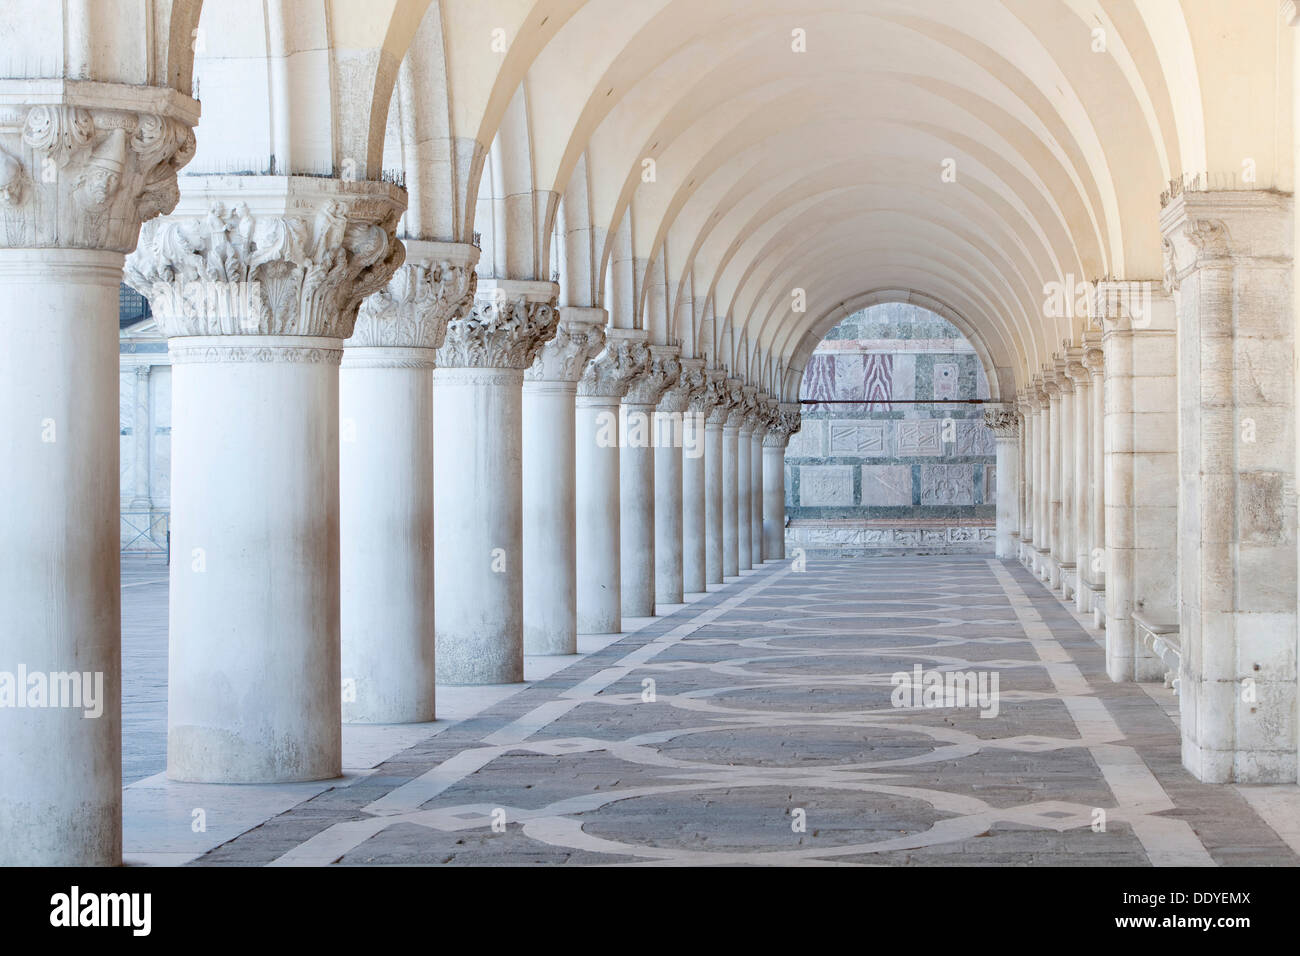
[[1141, 483], [637, 479], [75, 184], [254, 672], [679, 437], [1042, 487], [1094, 359], [786, 422], [550, 481], [1054, 443], [478, 479], [766, 408], [694, 514], [140, 439], [730, 480], [1064, 551], [1004, 422], [597, 439], [745, 478], [1026, 474], [714, 497], [1081, 474], [386, 485], [1229, 261]]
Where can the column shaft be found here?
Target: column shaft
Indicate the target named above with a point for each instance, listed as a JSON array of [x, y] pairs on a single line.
[[386, 535], [637, 511], [597, 468], [1096, 567], [730, 554], [714, 501], [253, 665], [669, 541], [1082, 478], [59, 564], [694, 522], [744, 485], [550, 538], [756, 484]]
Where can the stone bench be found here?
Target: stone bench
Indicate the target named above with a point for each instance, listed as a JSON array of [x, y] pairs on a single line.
[[1161, 638]]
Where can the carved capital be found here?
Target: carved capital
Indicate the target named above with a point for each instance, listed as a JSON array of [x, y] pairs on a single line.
[[1073, 368], [413, 309], [789, 419], [610, 373], [720, 397], [1094, 357], [505, 327], [1002, 420], [686, 394], [268, 256], [579, 337], [82, 165], [751, 409], [739, 403], [659, 374]]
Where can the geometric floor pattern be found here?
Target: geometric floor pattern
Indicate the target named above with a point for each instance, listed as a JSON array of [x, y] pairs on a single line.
[[765, 725]]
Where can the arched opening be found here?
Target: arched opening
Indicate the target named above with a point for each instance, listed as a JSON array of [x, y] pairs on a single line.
[[893, 456]]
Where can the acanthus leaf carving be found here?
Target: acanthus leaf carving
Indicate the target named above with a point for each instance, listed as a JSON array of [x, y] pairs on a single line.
[[610, 373], [564, 358], [1002, 420], [86, 177], [414, 308], [499, 331], [686, 393], [661, 371], [234, 272]]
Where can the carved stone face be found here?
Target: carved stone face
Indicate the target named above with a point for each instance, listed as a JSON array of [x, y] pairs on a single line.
[[11, 182], [97, 186]]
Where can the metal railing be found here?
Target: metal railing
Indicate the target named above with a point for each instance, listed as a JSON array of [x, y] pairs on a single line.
[[146, 532]]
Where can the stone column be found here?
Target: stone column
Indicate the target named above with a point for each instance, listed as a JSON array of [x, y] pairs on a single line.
[[81, 166], [140, 439], [1026, 474], [694, 514], [1229, 263], [1003, 421], [722, 404], [1042, 489], [637, 479], [597, 438], [1141, 481], [762, 422], [745, 478], [679, 439], [550, 481], [1054, 392], [478, 477], [1095, 569], [1064, 550], [256, 283], [386, 485], [1080, 474], [787, 421], [730, 479]]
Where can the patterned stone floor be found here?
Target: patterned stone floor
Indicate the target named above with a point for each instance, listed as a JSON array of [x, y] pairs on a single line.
[[758, 726]]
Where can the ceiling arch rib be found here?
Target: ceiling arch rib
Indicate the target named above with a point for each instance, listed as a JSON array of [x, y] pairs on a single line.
[[775, 169]]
